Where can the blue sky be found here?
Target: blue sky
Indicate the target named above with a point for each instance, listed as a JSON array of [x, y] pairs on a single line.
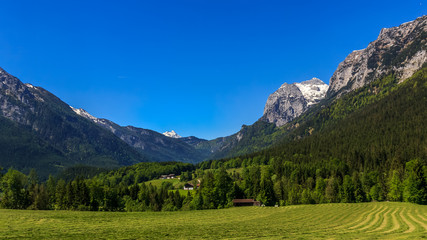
[[201, 68]]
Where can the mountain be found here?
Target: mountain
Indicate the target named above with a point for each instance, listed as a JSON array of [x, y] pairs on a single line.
[[192, 140], [399, 50], [313, 90], [291, 100], [368, 145], [396, 55], [171, 134], [374, 109], [363, 130], [52, 136], [155, 146], [284, 105], [41, 131]]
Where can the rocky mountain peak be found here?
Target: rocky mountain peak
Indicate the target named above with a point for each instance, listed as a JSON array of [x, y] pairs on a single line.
[[171, 134], [399, 50], [313, 90], [16, 98], [291, 100]]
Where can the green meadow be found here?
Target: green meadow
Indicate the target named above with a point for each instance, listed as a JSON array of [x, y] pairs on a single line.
[[384, 220], [158, 182]]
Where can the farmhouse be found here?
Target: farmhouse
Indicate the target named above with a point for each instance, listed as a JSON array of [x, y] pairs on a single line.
[[245, 202], [169, 176], [188, 186]]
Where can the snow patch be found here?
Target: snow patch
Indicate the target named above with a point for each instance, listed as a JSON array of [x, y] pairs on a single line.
[[313, 90], [171, 134]]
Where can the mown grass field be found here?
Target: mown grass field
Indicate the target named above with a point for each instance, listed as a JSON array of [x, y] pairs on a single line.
[[158, 182], [326, 221]]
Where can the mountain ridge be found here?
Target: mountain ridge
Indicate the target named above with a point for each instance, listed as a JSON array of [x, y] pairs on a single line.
[[291, 100], [38, 113], [158, 147], [73, 136], [401, 50]]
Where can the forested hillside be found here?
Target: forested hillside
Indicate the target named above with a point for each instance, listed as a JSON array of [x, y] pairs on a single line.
[[367, 146]]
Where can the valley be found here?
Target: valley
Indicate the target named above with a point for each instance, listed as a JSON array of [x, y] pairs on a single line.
[[344, 160]]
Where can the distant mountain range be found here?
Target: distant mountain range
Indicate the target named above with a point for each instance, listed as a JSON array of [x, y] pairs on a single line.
[[156, 146], [40, 131]]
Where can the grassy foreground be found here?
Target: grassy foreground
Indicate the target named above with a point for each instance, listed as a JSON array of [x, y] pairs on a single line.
[[332, 221]]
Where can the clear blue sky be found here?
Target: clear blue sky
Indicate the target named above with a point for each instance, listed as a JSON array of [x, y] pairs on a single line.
[[198, 67]]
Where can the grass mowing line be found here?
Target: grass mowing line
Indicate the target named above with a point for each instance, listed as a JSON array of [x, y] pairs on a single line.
[[395, 223], [298, 215], [421, 216], [293, 215], [336, 220], [233, 223], [384, 221], [422, 224], [360, 219], [339, 218], [408, 223], [367, 218], [283, 224], [361, 214], [374, 221], [403, 225], [327, 218]]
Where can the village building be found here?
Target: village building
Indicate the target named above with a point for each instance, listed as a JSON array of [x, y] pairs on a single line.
[[188, 186], [245, 202], [168, 176]]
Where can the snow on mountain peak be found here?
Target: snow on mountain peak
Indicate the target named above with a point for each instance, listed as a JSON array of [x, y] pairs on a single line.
[[171, 134], [313, 90]]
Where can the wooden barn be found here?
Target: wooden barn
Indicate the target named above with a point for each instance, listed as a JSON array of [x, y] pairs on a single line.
[[245, 202]]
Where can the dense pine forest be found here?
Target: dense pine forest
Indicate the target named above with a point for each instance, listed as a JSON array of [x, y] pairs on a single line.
[[369, 145]]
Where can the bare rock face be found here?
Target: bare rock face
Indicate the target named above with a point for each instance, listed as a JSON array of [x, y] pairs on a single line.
[[15, 98], [291, 100], [284, 105], [400, 50]]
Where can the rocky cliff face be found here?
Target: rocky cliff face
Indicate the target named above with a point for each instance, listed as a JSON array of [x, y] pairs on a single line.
[[16, 99], [291, 100], [400, 50]]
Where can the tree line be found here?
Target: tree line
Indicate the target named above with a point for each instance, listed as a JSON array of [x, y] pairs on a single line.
[[275, 182]]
